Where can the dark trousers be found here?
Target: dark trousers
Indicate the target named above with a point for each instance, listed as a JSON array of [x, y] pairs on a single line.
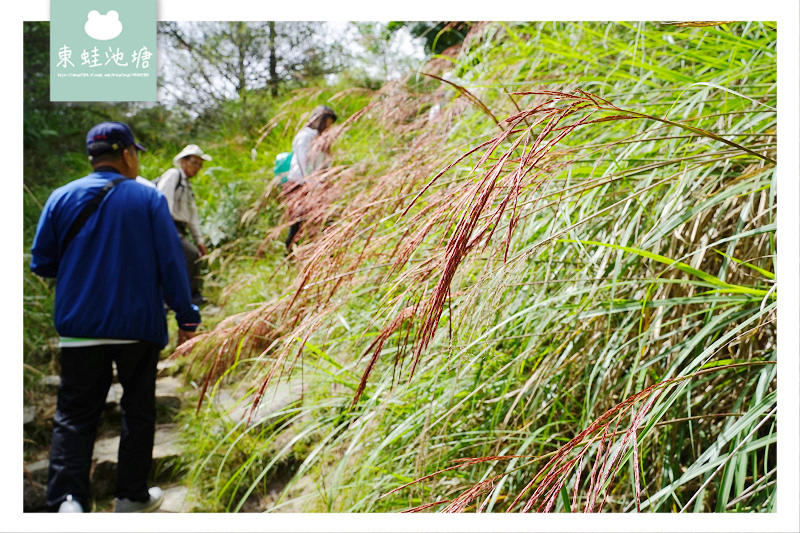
[[86, 376], [192, 254], [293, 229]]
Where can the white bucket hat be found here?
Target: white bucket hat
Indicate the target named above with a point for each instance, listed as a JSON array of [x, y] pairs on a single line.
[[191, 149]]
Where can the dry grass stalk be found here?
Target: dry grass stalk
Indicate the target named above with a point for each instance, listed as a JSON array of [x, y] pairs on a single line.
[[517, 178]]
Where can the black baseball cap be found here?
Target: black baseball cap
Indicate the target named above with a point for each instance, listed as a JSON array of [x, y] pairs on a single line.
[[109, 137]]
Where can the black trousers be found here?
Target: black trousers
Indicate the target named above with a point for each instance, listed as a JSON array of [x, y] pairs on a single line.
[[86, 375], [293, 229], [192, 256]]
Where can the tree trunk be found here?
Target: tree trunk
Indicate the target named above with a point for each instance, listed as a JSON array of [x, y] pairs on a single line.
[[240, 39], [273, 61]]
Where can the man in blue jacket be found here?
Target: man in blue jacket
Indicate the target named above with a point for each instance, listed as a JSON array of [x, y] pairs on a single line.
[[114, 269]]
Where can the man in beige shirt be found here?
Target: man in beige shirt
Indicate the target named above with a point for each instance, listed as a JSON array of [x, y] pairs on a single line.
[[176, 186]]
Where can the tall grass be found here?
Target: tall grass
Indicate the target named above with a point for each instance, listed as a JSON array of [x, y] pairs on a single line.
[[556, 294]]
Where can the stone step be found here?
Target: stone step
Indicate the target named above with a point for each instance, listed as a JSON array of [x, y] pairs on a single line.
[[38, 471], [168, 400], [175, 500], [277, 398], [167, 367], [28, 414], [50, 381], [166, 387], [34, 485], [166, 447]]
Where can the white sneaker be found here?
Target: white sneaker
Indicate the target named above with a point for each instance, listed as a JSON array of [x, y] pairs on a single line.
[[124, 505], [70, 506]]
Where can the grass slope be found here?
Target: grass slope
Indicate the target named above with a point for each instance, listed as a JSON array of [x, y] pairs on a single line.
[[538, 278]]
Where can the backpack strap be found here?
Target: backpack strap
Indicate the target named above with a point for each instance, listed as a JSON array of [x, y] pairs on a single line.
[[177, 183], [87, 211]]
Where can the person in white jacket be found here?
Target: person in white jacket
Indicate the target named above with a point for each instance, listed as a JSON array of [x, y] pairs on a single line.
[[305, 160], [175, 185]]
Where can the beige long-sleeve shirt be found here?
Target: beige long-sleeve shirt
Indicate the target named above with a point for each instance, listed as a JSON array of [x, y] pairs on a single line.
[[180, 199]]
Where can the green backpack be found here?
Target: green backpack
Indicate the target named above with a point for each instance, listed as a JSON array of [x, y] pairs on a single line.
[[283, 162]]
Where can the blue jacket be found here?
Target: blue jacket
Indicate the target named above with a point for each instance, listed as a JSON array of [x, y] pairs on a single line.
[[118, 271]]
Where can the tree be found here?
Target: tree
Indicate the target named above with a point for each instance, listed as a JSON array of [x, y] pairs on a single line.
[[392, 51], [438, 36], [206, 63]]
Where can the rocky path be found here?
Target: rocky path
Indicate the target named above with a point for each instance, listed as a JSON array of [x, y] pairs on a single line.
[[166, 450]]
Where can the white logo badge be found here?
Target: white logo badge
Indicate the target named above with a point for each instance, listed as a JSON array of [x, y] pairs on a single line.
[[103, 27]]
